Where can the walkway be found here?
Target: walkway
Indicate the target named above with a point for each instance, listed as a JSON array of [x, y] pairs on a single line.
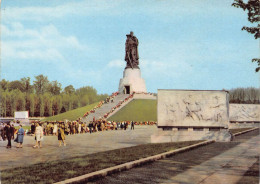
[[77, 145], [213, 164]]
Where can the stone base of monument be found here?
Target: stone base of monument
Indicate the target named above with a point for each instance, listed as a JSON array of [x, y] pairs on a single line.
[[132, 81], [191, 134], [244, 124]]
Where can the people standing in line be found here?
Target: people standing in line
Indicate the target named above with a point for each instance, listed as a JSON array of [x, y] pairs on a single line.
[[61, 136], [8, 134], [12, 131], [79, 128], [38, 136], [33, 128], [90, 127], [125, 125], [20, 135], [1, 131], [132, 125], [55, 128]]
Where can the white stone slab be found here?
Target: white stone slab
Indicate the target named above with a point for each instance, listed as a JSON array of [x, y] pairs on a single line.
[[192, 108], [244, 112], [176, 136]]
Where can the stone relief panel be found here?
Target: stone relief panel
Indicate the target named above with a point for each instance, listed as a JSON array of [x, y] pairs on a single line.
[[244, 112], [192, 108]]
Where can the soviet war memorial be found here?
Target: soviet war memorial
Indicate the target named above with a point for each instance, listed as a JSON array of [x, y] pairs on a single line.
[[129, 91]]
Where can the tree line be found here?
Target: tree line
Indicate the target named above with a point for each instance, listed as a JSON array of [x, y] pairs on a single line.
[[43, 97], [245, 95]]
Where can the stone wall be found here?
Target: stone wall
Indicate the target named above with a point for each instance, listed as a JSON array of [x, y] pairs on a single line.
[[244, 115], [192, 108], [185, 115]]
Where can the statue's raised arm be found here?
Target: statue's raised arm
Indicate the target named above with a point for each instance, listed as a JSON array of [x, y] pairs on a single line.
[[131, 51]]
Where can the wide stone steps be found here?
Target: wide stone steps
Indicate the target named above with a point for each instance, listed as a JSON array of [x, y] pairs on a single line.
[[100, 112]]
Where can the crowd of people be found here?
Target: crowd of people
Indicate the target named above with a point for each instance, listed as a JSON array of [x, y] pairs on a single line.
[[61, 129], [107, 100], [118, 105], [78, 127], [111, 99]]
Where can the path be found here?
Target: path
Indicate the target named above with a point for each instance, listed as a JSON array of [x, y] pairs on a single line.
[[77, 145], [222, 162]]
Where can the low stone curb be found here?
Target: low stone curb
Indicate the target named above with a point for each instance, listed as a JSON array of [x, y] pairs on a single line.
[[245, 131], [129, 165]]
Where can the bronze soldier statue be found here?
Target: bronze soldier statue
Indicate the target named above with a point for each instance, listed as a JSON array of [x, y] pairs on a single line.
[[131, 51]]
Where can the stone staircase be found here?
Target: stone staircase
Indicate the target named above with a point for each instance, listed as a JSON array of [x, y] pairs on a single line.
[[100, 112]]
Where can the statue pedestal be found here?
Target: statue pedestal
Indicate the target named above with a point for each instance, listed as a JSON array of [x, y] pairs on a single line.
[[132, 82]]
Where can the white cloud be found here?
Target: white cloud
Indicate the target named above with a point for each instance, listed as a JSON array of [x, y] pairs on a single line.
[[45, 13], [46, 43]]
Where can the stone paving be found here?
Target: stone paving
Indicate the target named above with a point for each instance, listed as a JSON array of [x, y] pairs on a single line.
[[217, 163], [221, 162], [77, 145]]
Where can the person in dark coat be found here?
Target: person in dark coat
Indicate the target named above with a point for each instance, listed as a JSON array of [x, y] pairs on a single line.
[[20, 135], [32, 128], [8, 134], [132, 125], [12, 131]]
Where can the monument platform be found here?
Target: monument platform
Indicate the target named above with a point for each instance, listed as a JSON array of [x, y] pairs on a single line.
[[132, 81], [191, 134]]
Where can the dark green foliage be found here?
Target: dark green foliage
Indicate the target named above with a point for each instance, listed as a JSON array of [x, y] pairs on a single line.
[[43, 98]]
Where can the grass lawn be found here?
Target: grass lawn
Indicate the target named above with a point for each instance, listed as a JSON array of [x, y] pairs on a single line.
[[55, 171], [71, 115], [236, 130], [24, 127], [137, 110]]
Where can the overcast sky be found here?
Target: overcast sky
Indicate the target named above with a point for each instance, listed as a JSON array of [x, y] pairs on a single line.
[[187, 44]]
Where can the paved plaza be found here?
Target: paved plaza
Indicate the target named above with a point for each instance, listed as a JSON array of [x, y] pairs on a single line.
[[220, 162], [77, 145], [217, 163]]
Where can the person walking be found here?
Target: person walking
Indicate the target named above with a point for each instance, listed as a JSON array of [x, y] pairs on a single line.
[[61, 136], [8, 133], [38, 136], [132, 125], [20, 135]]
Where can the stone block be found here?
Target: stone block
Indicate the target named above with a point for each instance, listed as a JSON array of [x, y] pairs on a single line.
[[187, 115], [132, 81], [191, 108]]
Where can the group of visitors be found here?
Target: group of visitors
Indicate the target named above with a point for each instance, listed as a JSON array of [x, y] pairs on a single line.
[[94, 109], [118, 105], [39, 130], [111, 97], [79, 127], [8, 131], [61, 129], [107, 100]]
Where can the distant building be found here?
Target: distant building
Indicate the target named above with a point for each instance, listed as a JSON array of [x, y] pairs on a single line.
[[22, 116]]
